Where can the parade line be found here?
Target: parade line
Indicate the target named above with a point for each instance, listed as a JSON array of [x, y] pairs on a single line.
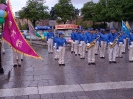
[[65, 88]]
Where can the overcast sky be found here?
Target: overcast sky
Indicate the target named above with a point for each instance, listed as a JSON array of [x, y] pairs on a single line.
[[18, 4]]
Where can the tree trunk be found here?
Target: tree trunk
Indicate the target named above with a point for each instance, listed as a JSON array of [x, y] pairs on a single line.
[[34, 21], [64, 22]]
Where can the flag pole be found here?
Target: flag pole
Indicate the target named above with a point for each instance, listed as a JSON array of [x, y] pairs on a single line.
[[1, 69]]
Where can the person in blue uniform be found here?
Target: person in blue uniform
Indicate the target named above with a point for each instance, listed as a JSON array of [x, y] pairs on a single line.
[[125, 42], [112, 50], [120, 43], [91, 51], [130, 42], [82, 43], [56, 53], [76, 42], [86, 33], [50, 36], [103, 40], [61, 43], [97, 43], [72, 41]]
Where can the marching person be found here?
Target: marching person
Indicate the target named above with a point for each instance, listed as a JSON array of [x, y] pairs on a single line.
[[91, 51], [22, 55], [2, 48], [61, 43], [56, 53], [50, 36], [16, 59], [82, 43], [72, 41], [2, 42], [76, 42], [103, 43], [86, 33], [120, 44], [97, 43], [130, 41], [112, 46], [125, 42]]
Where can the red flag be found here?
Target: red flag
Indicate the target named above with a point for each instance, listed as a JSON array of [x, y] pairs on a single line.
[[13, 36]]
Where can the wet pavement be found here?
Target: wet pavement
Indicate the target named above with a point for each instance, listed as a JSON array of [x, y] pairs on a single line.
[[45, 79]]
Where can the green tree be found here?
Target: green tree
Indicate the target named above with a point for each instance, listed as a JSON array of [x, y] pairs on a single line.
[[127, 10], [65, 10], [88, 10], [3, 1], [34, 11]]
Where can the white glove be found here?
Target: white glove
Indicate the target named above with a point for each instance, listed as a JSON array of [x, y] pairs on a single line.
[[54, 46], [131, 46], [88, 44], [57, 50], [111, 43], [80, 45], [64, 44]]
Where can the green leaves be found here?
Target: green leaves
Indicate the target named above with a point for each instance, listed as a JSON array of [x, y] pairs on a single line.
[[65, 10], [34, 11], [108, 10], [2, 1]]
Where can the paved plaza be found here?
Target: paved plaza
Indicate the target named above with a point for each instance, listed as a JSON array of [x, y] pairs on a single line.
[[45, 79]]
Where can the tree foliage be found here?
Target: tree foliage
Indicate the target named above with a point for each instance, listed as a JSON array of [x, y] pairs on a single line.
[[108, 10], [65, 10], [34, 11], [2, 1], [88, 10]]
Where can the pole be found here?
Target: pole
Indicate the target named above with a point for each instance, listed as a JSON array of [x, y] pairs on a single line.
[[1, 69]]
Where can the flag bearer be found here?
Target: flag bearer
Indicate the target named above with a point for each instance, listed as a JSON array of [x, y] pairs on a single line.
[[61, 43], [91, 51], [112, 50], [56, 53], [131, 46], [2, 42], [103, 43], [82, 43], [72, 41], [16, 59], [50, 37]]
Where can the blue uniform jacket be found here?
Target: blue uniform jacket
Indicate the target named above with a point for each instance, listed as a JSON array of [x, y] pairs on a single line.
[[50, 35], [125, 36], [55, 40], [91, 37], [103, 37], [72, 36], [76, 36], [61, 42], [83, 37], [130, 38], [121, 39], [112, 37]]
